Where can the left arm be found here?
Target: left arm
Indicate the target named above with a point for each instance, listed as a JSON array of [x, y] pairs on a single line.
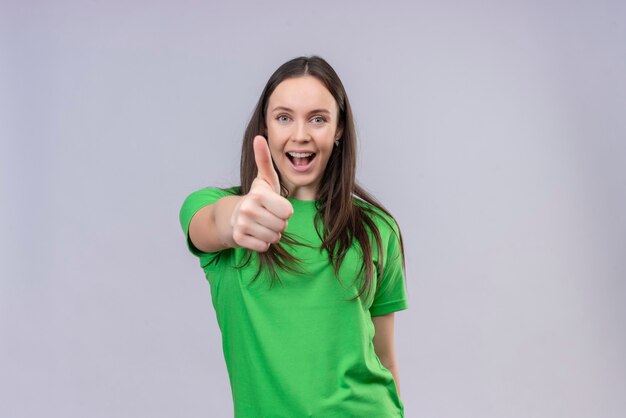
[[383, 344]]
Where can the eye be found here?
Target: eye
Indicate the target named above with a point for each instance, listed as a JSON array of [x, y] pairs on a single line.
[[319, 119], [282, 118]]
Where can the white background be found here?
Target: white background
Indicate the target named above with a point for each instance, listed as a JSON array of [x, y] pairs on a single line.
[[494, 132]]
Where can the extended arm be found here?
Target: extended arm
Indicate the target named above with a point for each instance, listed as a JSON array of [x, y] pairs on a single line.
[[210, 228], [383, 344], [253, 221]]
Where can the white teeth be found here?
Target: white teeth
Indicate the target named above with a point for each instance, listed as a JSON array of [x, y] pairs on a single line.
[[300, 154]]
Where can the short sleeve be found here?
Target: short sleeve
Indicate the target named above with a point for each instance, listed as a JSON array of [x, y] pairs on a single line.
[[391, 295], [192, 204]]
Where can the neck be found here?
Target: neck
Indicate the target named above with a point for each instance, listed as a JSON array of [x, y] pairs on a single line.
[[302, 193]]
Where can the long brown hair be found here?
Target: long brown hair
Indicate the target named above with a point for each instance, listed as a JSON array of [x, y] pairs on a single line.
[[343, 219]]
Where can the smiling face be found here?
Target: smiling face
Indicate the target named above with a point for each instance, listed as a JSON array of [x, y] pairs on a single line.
[[301, 122]]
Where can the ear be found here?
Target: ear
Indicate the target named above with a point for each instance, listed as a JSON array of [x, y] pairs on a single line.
[[339, 132]]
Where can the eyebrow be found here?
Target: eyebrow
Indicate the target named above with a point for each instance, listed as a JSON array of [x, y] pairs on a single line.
[[286, 109]]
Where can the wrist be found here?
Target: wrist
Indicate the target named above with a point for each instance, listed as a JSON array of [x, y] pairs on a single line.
[[223, 219]]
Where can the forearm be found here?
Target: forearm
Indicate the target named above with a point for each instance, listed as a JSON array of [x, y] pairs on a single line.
[[396, 376], [222, 213]]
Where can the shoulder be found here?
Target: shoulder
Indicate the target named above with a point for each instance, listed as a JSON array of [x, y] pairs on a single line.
[[210, 194], [384, 221], [201, 198]]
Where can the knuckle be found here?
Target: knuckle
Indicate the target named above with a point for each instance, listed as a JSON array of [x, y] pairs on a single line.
[[239, 224], [246, 210], [243, 224], [238, 237], [255, 196]]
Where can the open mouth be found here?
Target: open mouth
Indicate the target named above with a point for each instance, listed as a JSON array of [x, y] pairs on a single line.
[[300, 162]]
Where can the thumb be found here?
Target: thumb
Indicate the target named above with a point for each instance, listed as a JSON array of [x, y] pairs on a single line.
[[264, 165]]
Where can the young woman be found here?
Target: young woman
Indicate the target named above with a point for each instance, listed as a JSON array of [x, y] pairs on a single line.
[[306, 268]]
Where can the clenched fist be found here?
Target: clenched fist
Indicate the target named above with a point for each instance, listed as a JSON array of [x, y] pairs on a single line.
[[261, 215]]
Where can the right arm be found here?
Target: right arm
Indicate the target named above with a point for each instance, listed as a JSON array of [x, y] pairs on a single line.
[[253, 221], [210, 229]]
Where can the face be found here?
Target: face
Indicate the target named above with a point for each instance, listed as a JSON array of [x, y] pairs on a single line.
[[301, 122]]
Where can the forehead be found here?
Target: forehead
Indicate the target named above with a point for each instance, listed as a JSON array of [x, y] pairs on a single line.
[[302, 93]]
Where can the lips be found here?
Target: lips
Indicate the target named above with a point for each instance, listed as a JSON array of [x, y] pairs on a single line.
[[301, 164], [297, 159]]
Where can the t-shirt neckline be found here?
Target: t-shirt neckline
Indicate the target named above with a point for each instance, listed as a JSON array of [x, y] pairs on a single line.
[[303, 204]]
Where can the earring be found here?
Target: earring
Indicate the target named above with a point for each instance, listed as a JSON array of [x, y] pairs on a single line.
[[337, 143]]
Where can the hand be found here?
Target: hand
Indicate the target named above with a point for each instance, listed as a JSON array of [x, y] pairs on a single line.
[[261, 215]]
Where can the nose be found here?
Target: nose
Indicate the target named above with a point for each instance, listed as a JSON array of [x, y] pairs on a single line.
[[301, 132]]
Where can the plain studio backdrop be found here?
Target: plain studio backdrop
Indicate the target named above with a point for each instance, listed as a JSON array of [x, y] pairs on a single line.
[[494, 132]]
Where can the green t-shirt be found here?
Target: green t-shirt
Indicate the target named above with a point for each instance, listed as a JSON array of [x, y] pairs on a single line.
[[302, 349]]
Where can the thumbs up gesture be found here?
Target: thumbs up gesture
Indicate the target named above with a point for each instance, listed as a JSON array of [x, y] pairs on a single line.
[[261, 215]]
